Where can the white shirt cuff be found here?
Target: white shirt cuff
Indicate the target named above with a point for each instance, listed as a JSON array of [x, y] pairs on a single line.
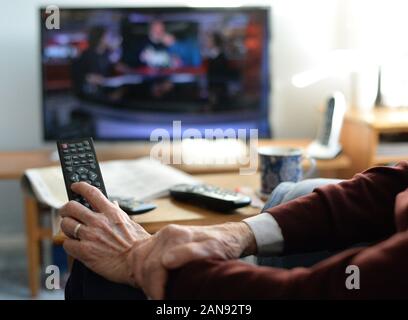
[[268, 234]]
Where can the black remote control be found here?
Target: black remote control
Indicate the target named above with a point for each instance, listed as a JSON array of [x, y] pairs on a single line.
[[132, 206], [79, 163], [211, 197]]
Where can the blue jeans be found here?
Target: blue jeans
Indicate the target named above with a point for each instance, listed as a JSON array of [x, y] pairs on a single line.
[[285, 192]]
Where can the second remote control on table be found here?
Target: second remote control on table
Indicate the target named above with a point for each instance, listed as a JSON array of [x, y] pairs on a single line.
[[211, 197]]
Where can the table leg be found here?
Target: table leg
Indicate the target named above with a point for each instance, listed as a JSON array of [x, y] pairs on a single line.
[[33, 244]]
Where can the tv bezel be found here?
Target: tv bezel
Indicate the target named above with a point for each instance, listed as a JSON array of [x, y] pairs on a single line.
[[265, 109]]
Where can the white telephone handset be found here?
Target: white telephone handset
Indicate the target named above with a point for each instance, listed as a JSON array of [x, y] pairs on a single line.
[[326, 145]]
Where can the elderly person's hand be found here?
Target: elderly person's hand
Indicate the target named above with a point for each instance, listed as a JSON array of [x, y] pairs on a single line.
[[104, 238], [112, 245], [175, 246]]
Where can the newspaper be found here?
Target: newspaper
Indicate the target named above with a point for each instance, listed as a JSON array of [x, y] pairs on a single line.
[[144, 179]]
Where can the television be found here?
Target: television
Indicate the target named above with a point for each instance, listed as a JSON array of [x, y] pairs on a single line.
[[121, 73]]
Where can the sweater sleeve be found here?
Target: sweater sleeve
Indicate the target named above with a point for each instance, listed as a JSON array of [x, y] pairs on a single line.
[[376, 272], [338, 215], [361, 209]]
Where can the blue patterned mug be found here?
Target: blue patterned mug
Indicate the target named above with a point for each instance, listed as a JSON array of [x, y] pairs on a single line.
[[280, 164]]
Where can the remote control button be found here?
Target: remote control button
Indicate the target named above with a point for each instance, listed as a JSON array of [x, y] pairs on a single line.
[[84, 177], [74, 178], [75, 158], [79, 145], [73, 150], [82, 156], [72, 145], [68, 163], [83, 161], [65, 151], [89, 155], [92, 176], [92, 166], [67, 158], [81, 149], [69, 169], [76, 163], [88, 182], [96, 184], [88, 149], [64, 146], [91, 161], [82, 170], [86, 143]]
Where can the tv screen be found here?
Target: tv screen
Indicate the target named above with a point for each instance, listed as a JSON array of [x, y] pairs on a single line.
[[119, 74]]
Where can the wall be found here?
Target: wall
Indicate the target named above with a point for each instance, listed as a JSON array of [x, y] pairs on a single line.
[[303, 32]]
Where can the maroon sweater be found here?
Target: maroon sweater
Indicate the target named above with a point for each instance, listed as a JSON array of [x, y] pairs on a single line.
[[371, 207]]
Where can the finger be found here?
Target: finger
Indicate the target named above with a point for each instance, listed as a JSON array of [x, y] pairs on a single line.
[[68, 226], [183, 254], [78, 212], [75, 249], [93, 195]]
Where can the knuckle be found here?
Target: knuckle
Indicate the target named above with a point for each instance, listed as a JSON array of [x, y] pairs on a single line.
[[103, 219], [92, 192], [97, 223], [64, 225], [93, 219], [173, 230], [98, 237], [105, 226], [70, 206], [116, 214], [94, 236]]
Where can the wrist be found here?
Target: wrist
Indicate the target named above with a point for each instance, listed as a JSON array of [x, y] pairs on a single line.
[[248, 240], [244, 237]]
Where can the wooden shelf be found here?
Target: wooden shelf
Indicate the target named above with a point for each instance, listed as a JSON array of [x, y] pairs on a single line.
[[379, 160], [381, 119], [361, 136]]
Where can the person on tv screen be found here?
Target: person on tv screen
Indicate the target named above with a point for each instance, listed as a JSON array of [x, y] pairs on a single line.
[[154, 52], [162, 49], [218, 72], [93, 67]]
